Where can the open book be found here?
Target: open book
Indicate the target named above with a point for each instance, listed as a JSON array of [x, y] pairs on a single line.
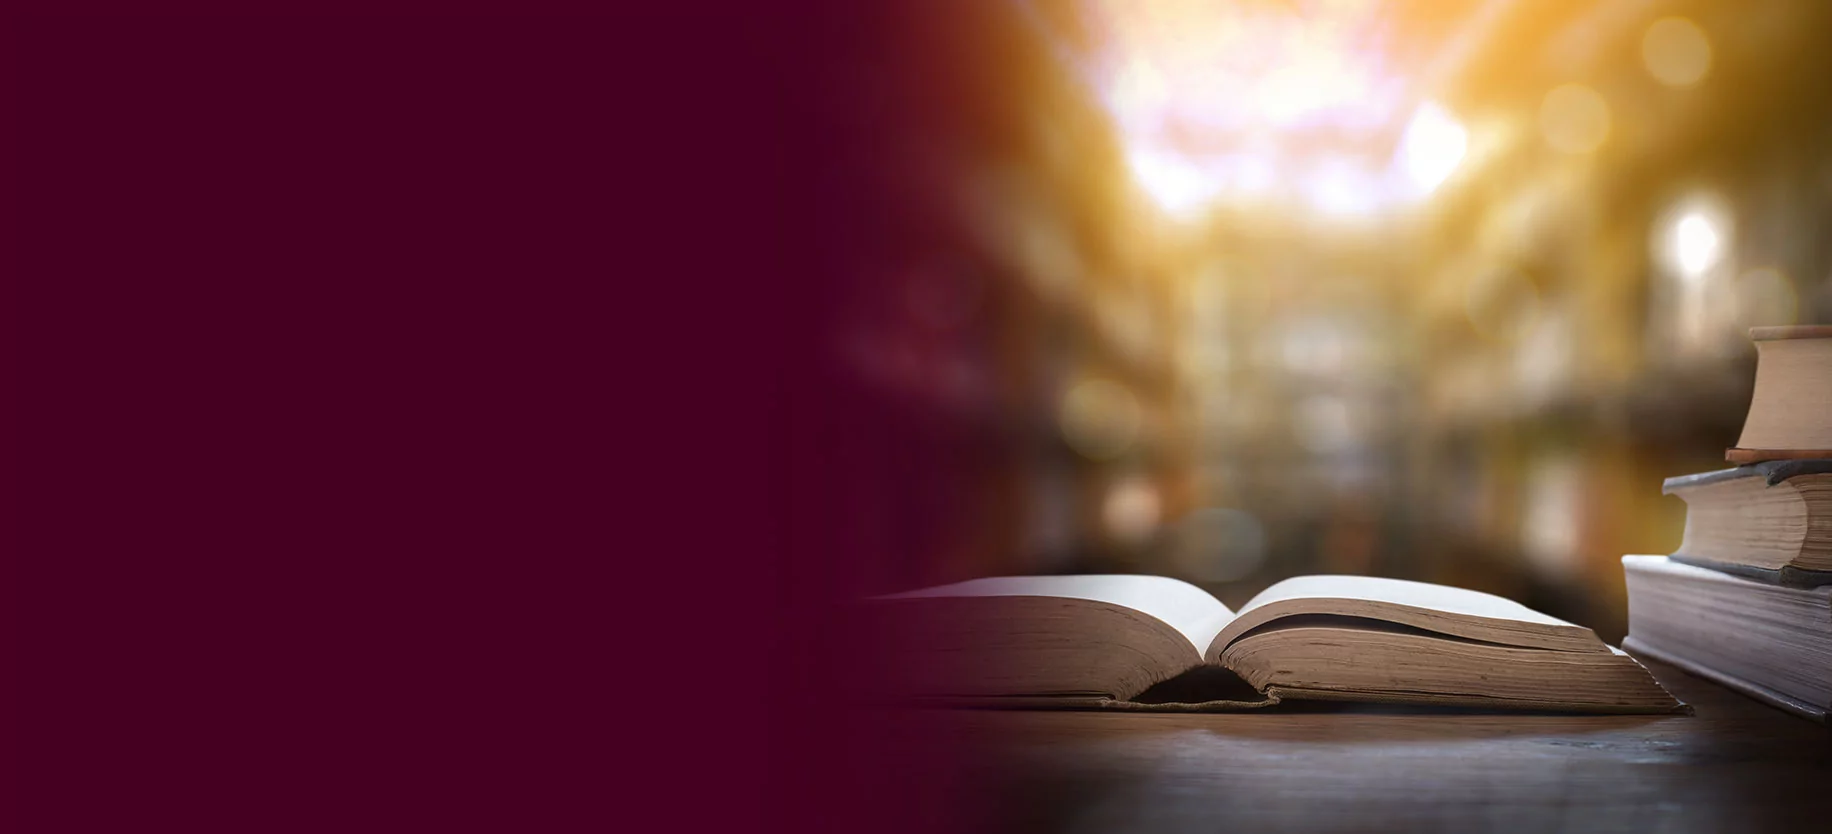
[[1152, 642]]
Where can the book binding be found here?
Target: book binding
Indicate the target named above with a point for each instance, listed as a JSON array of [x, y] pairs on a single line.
[[1771, 471]]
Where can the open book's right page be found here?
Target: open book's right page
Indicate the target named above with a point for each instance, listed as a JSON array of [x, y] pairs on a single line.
[[1388, 640], [1456, 612]]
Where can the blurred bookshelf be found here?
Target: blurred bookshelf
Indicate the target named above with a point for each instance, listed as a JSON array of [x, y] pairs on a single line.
[[1482, 386]]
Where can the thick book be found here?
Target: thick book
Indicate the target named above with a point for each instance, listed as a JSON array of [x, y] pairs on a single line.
[[1768, 641], [1769, 521], [1147, 642], [1790, 412]]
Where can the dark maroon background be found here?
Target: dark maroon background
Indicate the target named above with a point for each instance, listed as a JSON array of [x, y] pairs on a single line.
[[417, 421]]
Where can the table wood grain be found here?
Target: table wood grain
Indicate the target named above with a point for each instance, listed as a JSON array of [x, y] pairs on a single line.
[[1734, 765]]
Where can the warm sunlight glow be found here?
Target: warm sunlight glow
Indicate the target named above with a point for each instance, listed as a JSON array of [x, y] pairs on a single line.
[[1244, 65], [1433, 145], [1696, 245], [1177, 185], [1691, 237], [1207, 97]]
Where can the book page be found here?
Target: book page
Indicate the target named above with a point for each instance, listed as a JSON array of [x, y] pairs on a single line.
[[1454, 612], [1190, 610], [1401, 592]]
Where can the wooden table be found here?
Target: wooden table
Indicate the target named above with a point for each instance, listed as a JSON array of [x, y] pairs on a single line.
[[1736, 765]]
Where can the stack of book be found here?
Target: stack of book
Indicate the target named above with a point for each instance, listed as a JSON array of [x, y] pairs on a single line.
[[1747, 599]]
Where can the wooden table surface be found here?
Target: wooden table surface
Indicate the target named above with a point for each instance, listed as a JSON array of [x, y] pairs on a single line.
[[1736, 765]]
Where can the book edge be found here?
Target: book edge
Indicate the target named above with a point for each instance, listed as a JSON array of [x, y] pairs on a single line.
[[1786, 576], [1761, 693], [1775, 471], [1478, 701], [1779, 332]]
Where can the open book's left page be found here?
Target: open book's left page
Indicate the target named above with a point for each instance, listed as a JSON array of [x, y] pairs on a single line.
[[1103, 636], [1193, 612]]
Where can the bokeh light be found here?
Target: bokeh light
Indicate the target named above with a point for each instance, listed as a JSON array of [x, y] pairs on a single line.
[[1131, 509], [1694, 307], [1696, 244], [1551, 526], [1692, 236], [1100, 419], [1574, 118], [1676, 52]]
